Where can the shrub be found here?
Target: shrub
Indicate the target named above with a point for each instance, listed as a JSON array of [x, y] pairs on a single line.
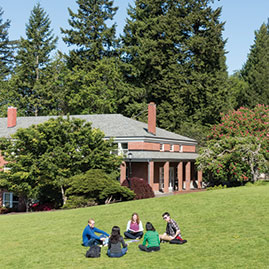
[[97, 187], [219, 187], [78, 201], [41, 207], [140, 187], [3, 210]]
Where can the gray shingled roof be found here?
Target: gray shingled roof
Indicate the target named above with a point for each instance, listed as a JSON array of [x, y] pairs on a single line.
[[113, 125], [163, 156]]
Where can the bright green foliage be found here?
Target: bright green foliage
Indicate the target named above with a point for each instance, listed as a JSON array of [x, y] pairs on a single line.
[[95, 185], [90, 33], [33, 64], [93, 83], [43, 156], [99, 90], [237, 148], [6, 53], [174, 51], [238, 92], [256, 70]]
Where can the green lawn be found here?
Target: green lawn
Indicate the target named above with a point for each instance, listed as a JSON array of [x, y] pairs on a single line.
[[226, 228]]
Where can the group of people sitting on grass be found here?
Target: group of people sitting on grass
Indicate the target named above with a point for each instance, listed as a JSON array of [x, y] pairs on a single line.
[[116, 244]]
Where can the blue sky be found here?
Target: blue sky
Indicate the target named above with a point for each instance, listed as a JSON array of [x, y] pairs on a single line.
[[242, 18]]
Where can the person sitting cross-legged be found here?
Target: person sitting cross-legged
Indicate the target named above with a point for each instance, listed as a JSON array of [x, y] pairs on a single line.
[[89, 237], [134, 228], [152, 238], [115, 242], [172, 230]]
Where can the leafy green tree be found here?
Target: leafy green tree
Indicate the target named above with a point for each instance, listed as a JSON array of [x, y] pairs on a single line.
[[174, 50], [238, 91], [256, 69], [90, 33], [45, 155], [6, 51], [33, 63], [237, 148], [99, 90], [95, 186]]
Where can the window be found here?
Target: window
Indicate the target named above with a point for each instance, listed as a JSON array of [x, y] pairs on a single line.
[[8, 199], [180, 148], [122, 148], [161, 147], [171, 147]]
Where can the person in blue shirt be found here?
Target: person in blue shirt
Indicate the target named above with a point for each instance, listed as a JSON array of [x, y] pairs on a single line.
[[89, 237]]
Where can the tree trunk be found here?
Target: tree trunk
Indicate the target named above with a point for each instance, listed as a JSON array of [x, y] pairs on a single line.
[[63, 195]]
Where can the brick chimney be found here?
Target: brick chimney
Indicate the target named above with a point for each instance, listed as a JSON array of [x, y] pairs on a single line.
[[152, 118], [11, 117]]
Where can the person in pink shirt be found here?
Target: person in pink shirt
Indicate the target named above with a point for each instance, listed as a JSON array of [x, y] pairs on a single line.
[[134, 228]]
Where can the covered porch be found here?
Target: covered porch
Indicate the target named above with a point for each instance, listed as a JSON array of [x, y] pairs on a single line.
[[176, 173]]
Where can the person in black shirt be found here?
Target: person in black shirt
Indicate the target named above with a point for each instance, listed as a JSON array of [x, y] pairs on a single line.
[[115, 242]]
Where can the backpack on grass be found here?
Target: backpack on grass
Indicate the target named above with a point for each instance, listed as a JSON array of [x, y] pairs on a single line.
[[178, 241], [93, 252]]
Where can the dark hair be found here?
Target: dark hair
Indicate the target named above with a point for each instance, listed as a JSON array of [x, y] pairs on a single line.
[[115, 235], [165, 214], [149, 226]]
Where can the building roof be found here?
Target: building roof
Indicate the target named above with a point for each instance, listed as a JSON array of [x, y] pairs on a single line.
[[117, 126], [162, 156]]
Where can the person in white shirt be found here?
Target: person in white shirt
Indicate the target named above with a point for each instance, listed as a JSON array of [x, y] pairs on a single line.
[[134, 228]]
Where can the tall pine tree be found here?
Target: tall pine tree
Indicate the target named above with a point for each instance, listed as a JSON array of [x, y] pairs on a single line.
[[33, 63], [6, 51], [174, 50], [256, 70], [91, 35], [94, 82]]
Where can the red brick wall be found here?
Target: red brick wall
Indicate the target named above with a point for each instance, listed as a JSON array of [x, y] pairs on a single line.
[[140, 170], [188, 148], [2, 162], [143, 146]]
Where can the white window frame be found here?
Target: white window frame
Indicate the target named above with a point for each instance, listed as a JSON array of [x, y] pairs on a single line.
[[180, 148], [171, 147], [10, 199], [121, 150], [161, 147], [161, 178]]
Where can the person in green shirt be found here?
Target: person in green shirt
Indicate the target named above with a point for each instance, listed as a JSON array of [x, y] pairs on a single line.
[[151, 239]]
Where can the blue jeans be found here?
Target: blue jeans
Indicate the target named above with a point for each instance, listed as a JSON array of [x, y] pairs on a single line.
[[117, 255], [93, 242], [133, 235]]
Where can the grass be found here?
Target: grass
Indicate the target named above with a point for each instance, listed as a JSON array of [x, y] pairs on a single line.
[[226, 228]]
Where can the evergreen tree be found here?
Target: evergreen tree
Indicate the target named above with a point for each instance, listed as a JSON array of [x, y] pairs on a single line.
[[6, 52], [33, 62], [97, 91], [256, 70], [174, 51], [90, 33], [93, 83]]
